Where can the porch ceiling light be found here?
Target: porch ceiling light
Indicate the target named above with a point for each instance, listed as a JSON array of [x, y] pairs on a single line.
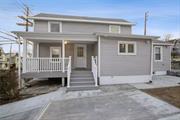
[[65, 42]]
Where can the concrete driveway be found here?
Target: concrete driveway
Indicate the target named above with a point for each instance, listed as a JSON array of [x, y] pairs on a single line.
[[119, 103], [116, 102]]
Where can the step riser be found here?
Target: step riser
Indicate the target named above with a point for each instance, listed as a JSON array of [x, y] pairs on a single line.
[[82, 84], [81, 75], [81, 88]]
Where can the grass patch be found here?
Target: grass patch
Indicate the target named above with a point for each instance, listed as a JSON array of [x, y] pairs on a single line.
[[168, 94]]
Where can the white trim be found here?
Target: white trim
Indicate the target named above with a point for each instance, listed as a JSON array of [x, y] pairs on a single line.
[[126, 47], [119, 28], [99, 56], [170, 57], [81, 20], [169, 44], [160, 72], [52, 47], [60, 26], [109, 80], [161, 53]]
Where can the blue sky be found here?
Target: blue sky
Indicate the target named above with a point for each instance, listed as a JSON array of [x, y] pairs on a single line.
[[164, 15]]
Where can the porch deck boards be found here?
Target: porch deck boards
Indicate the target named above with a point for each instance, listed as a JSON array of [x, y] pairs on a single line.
[[53, 74]]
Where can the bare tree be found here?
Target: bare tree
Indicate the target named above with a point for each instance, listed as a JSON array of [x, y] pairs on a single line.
[[167, 37]]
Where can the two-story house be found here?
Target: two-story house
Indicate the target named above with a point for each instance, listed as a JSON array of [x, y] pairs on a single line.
[[91, 51]]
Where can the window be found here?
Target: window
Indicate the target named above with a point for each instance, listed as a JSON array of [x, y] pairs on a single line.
[[158, 53], [55, 27], [114, 29], [126, 48], [55, 52], [80, 52]]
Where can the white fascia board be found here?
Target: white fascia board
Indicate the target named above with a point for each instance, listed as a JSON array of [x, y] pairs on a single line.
[[163, 44], [81, 20]]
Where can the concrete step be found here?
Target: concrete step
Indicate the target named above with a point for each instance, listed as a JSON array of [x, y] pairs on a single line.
[[81, 78], [82, 88], [81, 75], [81, 72]]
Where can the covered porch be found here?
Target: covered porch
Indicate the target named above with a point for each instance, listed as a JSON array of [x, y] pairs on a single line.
[[55, 55]]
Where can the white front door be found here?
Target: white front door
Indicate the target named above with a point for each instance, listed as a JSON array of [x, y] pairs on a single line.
[[80, 56]]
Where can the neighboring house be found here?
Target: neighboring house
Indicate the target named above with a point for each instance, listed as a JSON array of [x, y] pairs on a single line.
[[12, 59], [175, 53], [122, 57], [3, 60]]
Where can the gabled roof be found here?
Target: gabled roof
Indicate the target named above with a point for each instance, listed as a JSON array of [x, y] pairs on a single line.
[[46, 16]]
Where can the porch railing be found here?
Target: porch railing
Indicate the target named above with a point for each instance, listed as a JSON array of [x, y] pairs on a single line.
[[69, 72], [46, 64], [94, 69]]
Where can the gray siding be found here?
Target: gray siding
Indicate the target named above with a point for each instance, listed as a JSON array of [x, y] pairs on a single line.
[[40, 26], [77, 27], [113, 64], [165, 64]]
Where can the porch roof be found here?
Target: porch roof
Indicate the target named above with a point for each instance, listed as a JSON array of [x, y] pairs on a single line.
[[135, 36], [35, 36]]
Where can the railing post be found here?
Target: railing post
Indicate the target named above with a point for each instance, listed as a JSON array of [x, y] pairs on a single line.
[[69, 72]]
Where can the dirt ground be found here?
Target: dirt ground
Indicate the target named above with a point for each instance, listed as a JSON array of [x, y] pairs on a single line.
[[35, 88], [169, 94]]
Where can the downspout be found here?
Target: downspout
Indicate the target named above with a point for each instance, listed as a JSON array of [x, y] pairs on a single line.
[[151, 61]]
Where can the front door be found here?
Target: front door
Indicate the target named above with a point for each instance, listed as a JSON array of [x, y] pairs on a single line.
[[80, 56]]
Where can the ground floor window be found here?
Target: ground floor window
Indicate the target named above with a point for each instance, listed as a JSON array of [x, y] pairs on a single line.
[[126, 48], [158, 53]]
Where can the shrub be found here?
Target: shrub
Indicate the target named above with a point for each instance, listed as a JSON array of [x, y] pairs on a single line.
[[9, 84]]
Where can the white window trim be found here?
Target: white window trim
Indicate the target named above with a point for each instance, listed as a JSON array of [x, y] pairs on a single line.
[[119, 31], [60, 26], [126, 48], [55, 48], [161, 53]]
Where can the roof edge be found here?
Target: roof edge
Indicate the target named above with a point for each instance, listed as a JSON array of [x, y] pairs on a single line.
[[82, 20]]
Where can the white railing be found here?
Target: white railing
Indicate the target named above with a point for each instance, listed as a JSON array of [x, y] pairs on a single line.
[[69, 72], [45, 64], [94, 69]]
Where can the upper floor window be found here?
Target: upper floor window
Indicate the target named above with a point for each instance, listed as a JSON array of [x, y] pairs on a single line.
[[126, 48], [55, 27], [158, 53], [114, 29]]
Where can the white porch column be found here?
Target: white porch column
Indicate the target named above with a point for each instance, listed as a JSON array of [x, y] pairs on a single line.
[[37, 52], [63, 55], [99, 56], [24, 54], [19, 62], [63, 61]]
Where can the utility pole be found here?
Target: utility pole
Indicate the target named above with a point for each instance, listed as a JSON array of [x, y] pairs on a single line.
[[27, 23], [145, 22]]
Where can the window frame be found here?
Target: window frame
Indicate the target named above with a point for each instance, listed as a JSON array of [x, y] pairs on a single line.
[[55, 48], [119, 30], [49, 26], [161, 53], [126, 47]]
